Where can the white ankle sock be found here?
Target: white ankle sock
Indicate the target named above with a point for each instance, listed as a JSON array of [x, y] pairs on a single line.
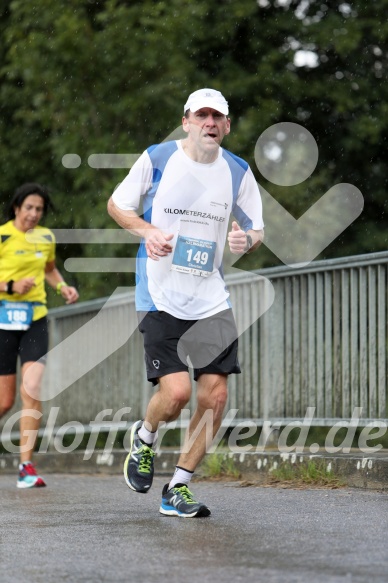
[[149, 437], [181, 476], [23, 464]]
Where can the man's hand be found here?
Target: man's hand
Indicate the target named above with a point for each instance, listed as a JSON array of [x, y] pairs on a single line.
[[156, 243], [237, 240]]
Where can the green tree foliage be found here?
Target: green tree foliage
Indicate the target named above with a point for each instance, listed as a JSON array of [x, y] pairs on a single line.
[[111, 76]]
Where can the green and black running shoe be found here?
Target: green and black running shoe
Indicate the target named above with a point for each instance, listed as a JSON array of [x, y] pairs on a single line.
[[139, 463], [179, 501]]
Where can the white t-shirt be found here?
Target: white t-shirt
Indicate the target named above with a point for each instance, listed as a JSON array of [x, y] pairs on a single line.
[[192, 201]]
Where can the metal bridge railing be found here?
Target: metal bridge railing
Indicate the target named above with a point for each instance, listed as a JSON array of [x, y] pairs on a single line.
[[321, 344]]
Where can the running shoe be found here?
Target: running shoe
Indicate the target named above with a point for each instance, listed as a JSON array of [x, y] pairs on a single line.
[[28, 478], [179, 501], [139, 463]]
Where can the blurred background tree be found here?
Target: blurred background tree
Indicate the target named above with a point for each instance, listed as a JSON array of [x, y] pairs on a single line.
[[111, 76]]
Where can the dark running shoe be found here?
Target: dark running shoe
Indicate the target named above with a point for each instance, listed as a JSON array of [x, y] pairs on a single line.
[[179, 501], [139, 463]]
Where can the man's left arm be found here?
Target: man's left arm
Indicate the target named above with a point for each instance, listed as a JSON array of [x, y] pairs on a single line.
[[247, 211]]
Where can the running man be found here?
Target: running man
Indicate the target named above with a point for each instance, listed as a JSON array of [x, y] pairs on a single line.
[[186, 190]]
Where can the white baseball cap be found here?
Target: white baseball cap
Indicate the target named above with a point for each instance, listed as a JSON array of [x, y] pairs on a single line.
[[207, 98]]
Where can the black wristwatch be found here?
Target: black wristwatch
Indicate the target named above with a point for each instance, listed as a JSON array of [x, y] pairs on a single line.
[[10, 287], [249, 243]]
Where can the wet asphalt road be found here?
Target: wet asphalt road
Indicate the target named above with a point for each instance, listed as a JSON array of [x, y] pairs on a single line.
[[93, 529]]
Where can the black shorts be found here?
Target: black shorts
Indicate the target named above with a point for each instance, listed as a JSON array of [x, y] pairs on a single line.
[[30, 345], [173, 345]]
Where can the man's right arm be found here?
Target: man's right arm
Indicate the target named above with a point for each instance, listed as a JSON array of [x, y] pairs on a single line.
[[128, 220], [156, 241]]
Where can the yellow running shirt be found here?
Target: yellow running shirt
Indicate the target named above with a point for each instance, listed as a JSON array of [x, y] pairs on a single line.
[[23, 255]]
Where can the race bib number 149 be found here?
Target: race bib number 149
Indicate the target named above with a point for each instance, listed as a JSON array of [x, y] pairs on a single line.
[[195, 256]]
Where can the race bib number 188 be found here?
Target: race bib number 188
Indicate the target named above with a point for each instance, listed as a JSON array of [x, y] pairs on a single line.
[[15, 315], [195, 256]]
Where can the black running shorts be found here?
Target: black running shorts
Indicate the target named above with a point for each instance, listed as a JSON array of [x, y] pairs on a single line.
[[173, 345], [30, 345]]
